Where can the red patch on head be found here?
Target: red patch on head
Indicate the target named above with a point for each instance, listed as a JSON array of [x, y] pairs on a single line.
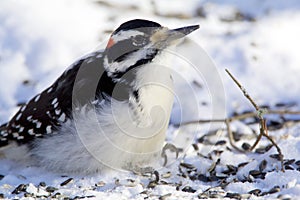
[[110, 43]]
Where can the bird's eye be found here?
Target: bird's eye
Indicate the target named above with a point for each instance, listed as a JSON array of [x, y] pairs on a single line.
[[139, 40]]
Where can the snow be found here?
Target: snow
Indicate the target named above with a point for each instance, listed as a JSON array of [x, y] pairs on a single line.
[[40, 39]]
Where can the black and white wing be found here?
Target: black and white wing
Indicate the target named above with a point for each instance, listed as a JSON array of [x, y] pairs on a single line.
[[44, 113]]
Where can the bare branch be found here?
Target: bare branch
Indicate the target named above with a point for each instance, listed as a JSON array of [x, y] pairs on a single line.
[[263, 124], [243, 90]]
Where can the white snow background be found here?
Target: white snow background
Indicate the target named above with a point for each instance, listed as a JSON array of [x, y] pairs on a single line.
[[40, 39]]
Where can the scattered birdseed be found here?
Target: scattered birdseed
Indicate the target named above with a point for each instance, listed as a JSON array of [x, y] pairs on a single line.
[[221, 176], [256, 192], [188, 189], [231, 169], [69, 180], [152, 184], [187, 165], [297, 162], [19, 189], [246, 146], [100, 184], [289, 161], [57, 195], [262, 150], [203, 178], [288, 167], [263, 165], [257, 174], [42, 184], [233, 195], [212, 166], [28, 195], [51, 189], [276, 156], [166, 175], [274, 190], [243, 164], [220, 142], [284, 197], [165, 197], [195, 146], [156, 175], [274, 125]]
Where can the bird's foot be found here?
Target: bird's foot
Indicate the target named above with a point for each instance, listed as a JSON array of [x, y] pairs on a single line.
[[170, 147]]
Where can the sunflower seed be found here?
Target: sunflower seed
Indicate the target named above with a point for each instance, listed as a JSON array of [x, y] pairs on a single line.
[[195, 146], [152, 184], [66, 182], [233, 195], [289, 161], [242, 164], [220, 142], [297, 162], [202, 177], [255, 192], [274, 190], [164, 197], [188, 189], [246, 146], [255, 173], [187, 165], [56, 195], [28, 195], [42, 184], [100, 184], [263, 165], [276, 156], [51, 189], [19, 189], [287, 167], [166, 175]]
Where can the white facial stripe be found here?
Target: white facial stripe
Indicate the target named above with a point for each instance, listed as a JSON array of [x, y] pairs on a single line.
[[125, 64], [123, 35]]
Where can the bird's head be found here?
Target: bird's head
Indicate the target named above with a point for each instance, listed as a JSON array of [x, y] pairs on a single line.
[[137, 42]]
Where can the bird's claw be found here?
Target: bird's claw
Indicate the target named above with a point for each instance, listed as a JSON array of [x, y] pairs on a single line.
[[170, 147]]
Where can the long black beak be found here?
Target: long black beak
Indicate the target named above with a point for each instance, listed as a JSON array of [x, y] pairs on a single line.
[[186, 30], [178, 33]]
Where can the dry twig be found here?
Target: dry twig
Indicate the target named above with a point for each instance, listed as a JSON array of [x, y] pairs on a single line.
[[260, 113]]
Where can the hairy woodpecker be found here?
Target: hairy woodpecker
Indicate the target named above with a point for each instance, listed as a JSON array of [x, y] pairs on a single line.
[[110, 108]]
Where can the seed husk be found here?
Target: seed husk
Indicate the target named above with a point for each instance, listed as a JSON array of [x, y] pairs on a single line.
[[263, 165], [188, 189], [289, 161], [255, 192], [276, 156], [246, 146], [66, 182], [19, 189], [233, 195], [187, 165], [274, 190], [51, 189], [220, 142]]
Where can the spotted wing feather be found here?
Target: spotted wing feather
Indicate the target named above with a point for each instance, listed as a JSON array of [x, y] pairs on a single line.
[[44, 113]]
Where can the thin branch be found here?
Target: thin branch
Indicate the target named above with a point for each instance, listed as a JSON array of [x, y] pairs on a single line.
[[263, 124], [243, 90], [231, 138], [265, 133]]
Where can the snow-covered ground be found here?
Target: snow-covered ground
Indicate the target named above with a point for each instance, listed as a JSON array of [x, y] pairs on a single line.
[[257, 41]]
